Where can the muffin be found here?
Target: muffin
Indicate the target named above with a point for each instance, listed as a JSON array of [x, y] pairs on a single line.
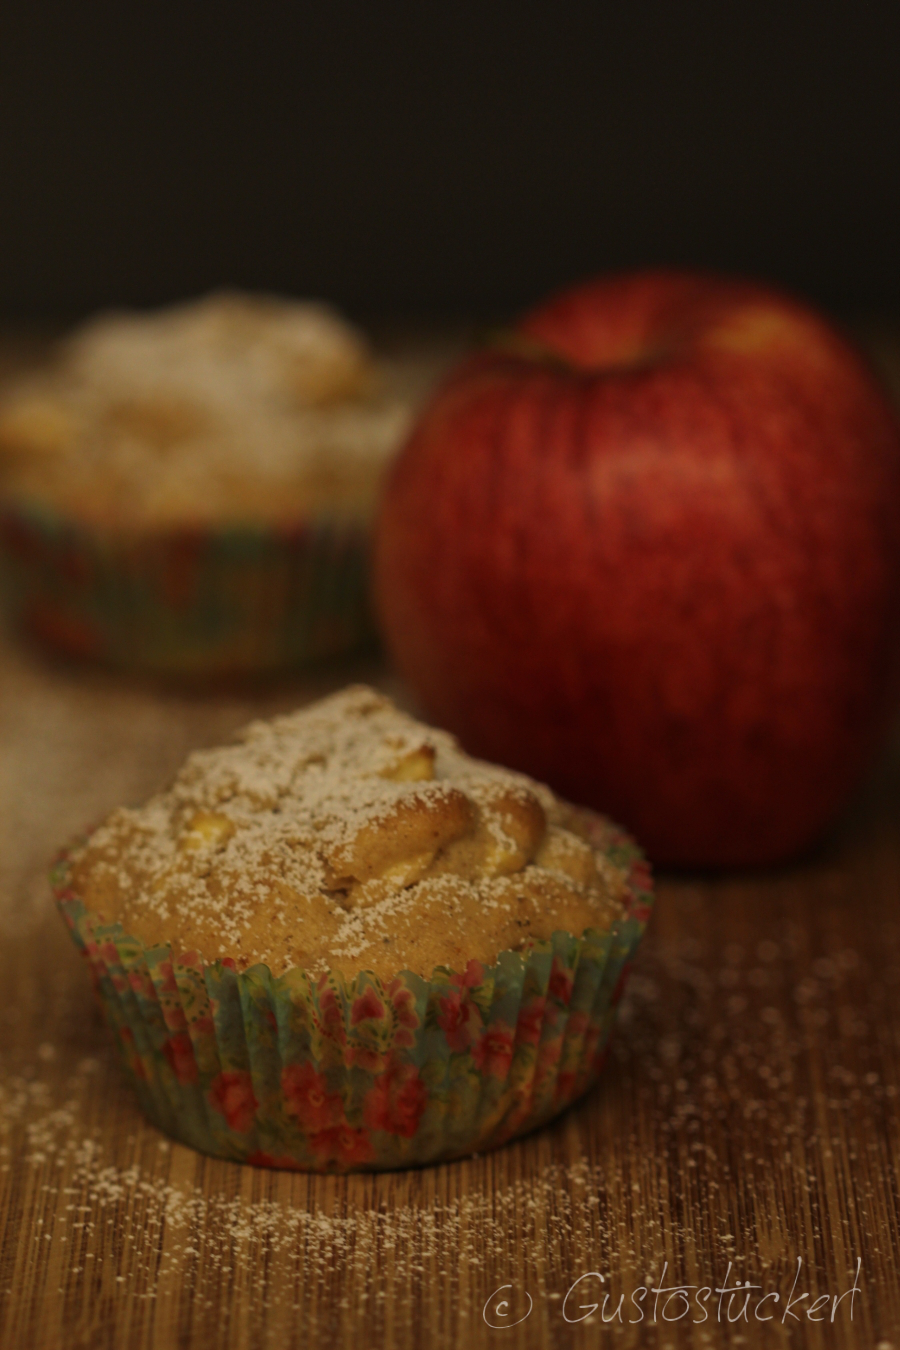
[[190, 491], [342, 942]]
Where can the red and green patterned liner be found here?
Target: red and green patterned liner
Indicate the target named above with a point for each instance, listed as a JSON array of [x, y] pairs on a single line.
[[330, 1074], [187, 602]]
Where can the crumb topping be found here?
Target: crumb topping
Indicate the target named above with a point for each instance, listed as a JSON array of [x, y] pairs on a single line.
[[347, 835]]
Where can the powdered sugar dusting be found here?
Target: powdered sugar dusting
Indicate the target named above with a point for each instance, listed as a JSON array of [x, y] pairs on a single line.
[[313, 835], [232, 407]]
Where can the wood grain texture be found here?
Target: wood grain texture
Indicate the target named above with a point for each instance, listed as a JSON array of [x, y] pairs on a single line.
[[749, 1115], [748, 1121]]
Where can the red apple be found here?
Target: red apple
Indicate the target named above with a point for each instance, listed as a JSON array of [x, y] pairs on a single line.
[[650, 553]]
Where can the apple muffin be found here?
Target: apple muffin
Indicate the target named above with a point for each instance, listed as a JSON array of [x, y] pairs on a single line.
[[191, 489], [345, 901]]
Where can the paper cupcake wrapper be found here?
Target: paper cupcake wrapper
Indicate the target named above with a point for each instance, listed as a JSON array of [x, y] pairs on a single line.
[[325, 1074], [188, 601]]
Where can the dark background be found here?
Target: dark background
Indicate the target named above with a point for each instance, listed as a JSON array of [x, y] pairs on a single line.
[[435, 159]]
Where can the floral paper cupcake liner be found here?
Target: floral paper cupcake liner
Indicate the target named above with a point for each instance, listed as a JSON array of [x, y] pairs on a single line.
[[188, 601], [329, 1074]]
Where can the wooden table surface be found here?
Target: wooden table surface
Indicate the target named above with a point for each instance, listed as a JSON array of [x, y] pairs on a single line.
[[747, 1127]]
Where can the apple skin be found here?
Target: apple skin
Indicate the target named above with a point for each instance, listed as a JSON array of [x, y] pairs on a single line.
[[650, 554]]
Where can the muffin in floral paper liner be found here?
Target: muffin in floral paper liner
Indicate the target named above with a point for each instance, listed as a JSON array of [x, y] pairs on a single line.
[[190, 491], [188, 602], [342, 943]]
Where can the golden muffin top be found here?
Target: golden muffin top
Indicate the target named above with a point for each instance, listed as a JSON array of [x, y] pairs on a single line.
[[231, 407], [350, 836]]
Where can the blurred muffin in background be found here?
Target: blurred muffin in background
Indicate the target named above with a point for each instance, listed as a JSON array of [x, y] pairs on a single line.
[[189, 491]]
